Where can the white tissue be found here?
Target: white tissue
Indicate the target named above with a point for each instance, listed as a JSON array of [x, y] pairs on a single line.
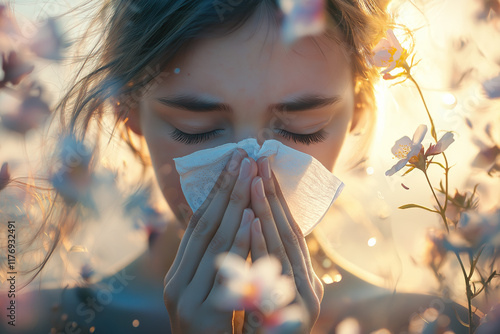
[[308, 187]]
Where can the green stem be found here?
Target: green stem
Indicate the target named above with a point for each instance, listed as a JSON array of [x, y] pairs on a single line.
[[468, 292], [446, 184], [433, 128], [441, 211]]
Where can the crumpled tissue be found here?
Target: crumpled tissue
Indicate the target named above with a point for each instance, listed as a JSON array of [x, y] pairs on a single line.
[[308, 187]]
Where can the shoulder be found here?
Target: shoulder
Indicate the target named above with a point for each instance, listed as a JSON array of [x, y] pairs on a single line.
[[108, 305]]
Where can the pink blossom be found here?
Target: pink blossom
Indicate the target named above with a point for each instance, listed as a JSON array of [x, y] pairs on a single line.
[[48, 41], [302, 18], [441, 145], [388, 53], [15, 67]]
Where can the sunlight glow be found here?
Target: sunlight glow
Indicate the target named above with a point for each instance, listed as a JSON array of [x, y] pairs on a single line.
[[327, 279], [449, 100], [372, 241]]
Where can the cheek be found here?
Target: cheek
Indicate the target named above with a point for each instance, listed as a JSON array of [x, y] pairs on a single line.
[[328, 151], [162, 150], [162, 153]]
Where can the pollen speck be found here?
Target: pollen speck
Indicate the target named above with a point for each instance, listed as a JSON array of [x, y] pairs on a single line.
[[403, 151]]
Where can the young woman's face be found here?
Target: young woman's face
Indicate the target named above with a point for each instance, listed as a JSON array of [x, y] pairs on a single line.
[[243, 85]]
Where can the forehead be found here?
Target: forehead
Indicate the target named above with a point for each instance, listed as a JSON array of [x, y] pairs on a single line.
[[253, 62]]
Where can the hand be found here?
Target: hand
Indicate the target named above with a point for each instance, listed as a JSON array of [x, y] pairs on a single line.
[[277, 233], [192, 281]]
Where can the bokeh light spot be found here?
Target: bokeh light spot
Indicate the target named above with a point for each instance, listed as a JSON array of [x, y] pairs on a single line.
[[449, 100], [372, 241]]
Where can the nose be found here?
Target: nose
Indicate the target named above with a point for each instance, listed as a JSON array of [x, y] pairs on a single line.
[[259, 133], [252, 130]]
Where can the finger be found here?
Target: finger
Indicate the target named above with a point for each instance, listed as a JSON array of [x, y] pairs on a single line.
[[224, 237], [241, 244], [204, 225], [289, 230], [258, 246], [262, 210], [240, 247]]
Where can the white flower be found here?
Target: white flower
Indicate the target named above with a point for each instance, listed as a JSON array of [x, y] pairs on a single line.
[[254, 287], [405, 149]]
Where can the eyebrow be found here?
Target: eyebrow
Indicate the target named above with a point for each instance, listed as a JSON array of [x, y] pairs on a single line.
[[199, 104]]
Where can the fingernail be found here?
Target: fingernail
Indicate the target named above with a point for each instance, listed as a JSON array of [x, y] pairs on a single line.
[[256, 225], [242, 152], [266, 169], [238, 151], [259, 185], [246, 217], [245, 169]]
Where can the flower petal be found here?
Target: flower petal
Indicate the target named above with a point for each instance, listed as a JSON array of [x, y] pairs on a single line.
[[383, 45], [381, 58], [400, 164], [393, 40], [266, 266], [402, 142], [392, 65], [419, 134], [442, 144], [232, 266], [277, 294]]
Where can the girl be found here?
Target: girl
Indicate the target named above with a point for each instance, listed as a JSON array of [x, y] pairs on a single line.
[[186, 75]]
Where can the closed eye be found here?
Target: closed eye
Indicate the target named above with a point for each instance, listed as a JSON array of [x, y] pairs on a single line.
[[196, 138]]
